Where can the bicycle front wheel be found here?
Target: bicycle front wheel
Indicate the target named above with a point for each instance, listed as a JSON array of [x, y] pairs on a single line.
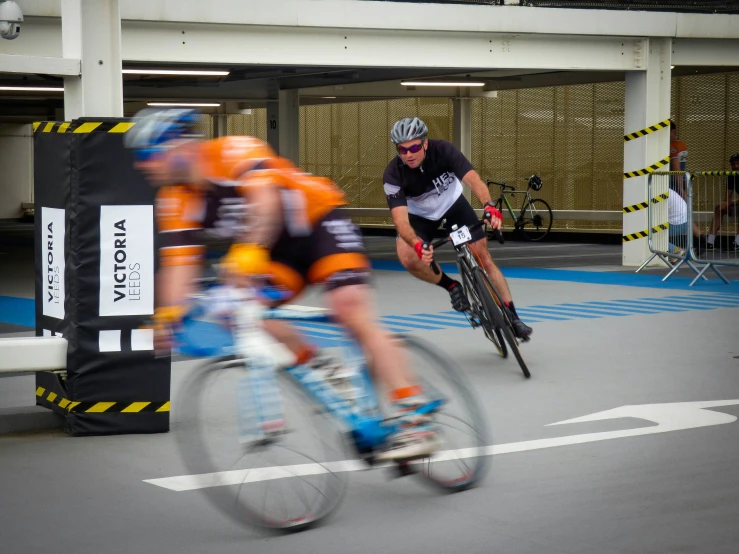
[[460, 422], [535, 220], [288, 482], [490, 326], [493, 303]]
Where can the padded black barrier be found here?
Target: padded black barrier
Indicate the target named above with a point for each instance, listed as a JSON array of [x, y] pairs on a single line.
[[85, 178]]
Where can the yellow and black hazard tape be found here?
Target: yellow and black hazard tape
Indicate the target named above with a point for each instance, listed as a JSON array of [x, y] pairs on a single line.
[[647, 170], [715, 173], [644, 205], [82, 127], [645, 233], [101, 407], [647, 131]]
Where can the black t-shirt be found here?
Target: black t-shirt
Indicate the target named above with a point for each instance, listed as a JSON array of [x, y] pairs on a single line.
[[732, 183], [431, 189]]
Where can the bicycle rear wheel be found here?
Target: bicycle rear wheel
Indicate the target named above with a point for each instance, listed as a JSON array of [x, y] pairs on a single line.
[[460, 422], [490, 326], [535, 220], [289, 482], [493, 303]]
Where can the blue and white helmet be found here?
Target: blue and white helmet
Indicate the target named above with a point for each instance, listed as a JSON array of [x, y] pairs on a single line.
[[153, 128], [409, 128]]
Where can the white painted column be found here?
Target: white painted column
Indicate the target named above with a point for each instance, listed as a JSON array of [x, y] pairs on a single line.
[[91, 31], [462, 131], [647, 103]]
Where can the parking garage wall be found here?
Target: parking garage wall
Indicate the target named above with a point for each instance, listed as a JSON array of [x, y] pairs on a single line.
[[571, 135]]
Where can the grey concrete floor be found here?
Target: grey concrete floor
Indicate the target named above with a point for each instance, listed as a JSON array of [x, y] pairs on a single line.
[[667, 492]]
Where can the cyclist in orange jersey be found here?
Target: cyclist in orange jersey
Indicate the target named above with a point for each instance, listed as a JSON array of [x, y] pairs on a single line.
[[284, 224]]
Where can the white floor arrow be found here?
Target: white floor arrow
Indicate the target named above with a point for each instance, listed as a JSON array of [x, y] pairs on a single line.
[[668, 417]]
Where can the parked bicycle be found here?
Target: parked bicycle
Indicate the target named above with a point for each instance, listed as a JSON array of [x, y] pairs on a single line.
[[269, 442], [534, 220], [485, 301]]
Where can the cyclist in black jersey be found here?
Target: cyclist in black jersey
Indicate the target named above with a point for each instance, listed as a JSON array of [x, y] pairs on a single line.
[[423, 185]]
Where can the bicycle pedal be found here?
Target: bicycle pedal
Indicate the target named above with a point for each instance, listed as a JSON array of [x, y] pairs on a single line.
[[403, 469]]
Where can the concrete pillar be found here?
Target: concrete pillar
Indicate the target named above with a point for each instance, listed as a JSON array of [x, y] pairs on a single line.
[[289, 125], [462, 130], [647, 103], [91, 31]]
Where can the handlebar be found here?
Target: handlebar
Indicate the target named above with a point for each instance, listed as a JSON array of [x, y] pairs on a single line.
[[441, 242], [503, 185]]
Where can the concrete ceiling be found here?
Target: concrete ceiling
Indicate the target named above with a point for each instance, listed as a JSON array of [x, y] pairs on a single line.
[[252, 86]]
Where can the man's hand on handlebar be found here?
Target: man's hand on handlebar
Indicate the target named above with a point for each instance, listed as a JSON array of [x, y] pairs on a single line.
[[492, 216], [424, 251]]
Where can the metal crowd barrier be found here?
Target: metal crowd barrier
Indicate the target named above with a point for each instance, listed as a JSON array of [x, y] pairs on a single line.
[[692, 199], [669, 234], [710, 190]]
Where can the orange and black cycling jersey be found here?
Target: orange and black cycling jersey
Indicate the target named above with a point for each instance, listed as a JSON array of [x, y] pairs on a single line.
[[232, 165]]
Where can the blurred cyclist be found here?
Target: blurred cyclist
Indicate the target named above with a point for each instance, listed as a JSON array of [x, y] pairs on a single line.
[[295, 233]]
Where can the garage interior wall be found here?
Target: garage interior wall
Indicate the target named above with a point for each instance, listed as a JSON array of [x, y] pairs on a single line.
[[571, 135], [16, 168]]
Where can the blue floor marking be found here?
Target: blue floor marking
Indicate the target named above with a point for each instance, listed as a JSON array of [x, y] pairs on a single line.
[[661, 307], [18, 311], [416, 318], [592, 277], [412, 324], [623, 308]]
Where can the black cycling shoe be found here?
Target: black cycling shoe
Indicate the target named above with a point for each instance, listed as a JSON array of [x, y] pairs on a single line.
[[522, 330], [459, 298]]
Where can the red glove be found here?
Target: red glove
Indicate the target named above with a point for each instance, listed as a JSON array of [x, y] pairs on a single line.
[[418, 247], [491, 212]]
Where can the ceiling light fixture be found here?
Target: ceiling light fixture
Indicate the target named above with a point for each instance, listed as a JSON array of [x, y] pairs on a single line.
[[207, 73], [35, 89], [442, 84], [185, 104]]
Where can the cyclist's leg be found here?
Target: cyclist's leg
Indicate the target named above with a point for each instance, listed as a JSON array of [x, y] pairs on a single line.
[[344, 270]]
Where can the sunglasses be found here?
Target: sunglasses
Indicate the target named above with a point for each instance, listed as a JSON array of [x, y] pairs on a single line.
[[413, 149]]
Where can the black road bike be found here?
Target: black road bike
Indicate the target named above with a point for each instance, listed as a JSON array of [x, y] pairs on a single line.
[[534, 220], [486, 306]]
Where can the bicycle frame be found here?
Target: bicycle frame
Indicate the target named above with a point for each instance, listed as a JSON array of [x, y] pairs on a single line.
[[504, 199]]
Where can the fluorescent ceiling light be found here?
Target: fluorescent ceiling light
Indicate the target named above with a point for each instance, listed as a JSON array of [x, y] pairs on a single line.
[[35, 89], [176, 72], [185, 104], [442, 84]]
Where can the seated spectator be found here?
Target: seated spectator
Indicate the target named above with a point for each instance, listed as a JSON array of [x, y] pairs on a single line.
[[729, 207]]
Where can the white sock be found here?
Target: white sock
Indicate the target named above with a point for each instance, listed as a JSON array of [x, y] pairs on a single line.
[[711, 239]]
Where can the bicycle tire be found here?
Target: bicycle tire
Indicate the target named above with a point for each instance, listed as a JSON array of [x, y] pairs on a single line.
[[494, 302], [535, 220], [489, 326], [424, 360], [197, 441]]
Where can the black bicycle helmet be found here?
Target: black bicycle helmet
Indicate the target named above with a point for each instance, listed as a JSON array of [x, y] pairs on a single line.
[[734, 158], [409, 128], [535, 182]]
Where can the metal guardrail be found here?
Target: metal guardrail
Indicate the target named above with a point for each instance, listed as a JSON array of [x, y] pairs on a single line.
[[559, 215], [30, 354]]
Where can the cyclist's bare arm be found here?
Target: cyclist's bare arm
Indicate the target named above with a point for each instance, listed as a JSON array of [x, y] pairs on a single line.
[[480, 189], [265, 219], [406, 232], [403, 225], [175, 283]]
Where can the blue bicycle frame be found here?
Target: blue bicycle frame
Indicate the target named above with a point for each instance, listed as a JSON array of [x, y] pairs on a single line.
[[361, 417]]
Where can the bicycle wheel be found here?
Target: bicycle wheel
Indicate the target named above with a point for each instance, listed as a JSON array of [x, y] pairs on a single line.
[[284, 483], [535, 220], [489, 325], [460, 422], [493, 302]]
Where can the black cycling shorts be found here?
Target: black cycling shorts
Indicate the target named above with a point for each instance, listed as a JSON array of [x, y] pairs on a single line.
[[332, 254], [460, 213]]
